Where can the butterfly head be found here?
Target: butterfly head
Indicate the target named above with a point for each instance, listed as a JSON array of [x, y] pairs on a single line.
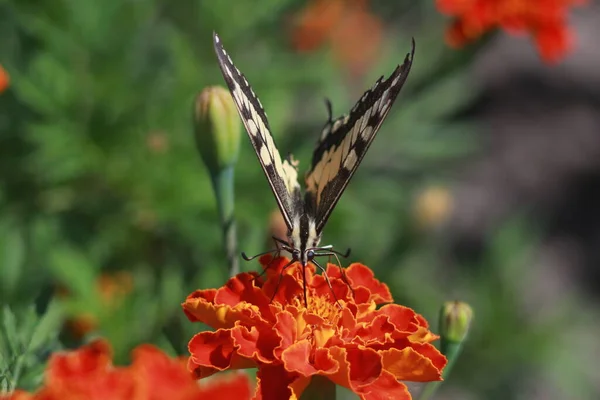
[[304, 239]]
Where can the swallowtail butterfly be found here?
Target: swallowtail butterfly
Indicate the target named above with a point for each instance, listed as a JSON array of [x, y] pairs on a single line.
[[339, 150]]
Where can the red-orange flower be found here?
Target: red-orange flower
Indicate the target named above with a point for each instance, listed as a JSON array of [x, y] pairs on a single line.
[[357, 346], [88, 373], [4, 79], [545, 20], [354, 33]]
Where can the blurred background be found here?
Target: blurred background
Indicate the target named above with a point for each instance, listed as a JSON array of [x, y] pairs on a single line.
[[483, 184]]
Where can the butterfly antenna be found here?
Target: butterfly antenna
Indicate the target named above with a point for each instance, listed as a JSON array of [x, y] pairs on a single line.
[[264, 271], [246, 258], [329, 109]]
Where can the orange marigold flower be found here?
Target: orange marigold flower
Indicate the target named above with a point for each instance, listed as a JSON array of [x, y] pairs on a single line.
[[88, 373], [4, 79], [354, 33], [544, 20], [357, 346]]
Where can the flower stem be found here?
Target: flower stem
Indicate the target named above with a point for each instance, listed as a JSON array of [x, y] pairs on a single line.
[[451, 350], [223, 186], [455, 321], [319, 388]]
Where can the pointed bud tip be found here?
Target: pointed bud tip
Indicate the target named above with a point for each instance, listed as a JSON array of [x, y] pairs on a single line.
[[217, 128], [455, 320]]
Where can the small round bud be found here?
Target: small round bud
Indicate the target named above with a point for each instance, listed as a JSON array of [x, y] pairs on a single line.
[[217, 128], [455, 321]]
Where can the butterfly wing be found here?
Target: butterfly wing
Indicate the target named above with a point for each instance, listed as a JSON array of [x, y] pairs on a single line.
[[282, 175], [344, 142]]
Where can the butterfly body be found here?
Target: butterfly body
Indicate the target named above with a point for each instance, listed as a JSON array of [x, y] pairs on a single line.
[[340, 149]]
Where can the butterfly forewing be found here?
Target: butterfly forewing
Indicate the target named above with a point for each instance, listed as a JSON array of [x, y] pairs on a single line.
[[282, 176], [345, 140]]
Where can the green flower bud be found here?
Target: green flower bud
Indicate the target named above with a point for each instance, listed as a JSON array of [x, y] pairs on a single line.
[[455, 321], [217, 128]]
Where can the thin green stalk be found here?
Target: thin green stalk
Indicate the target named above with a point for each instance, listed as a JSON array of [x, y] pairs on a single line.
[[223, 184]]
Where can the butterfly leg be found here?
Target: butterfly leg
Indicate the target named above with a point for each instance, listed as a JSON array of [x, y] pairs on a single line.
[[336, 254], [280, 279], [328, 283]]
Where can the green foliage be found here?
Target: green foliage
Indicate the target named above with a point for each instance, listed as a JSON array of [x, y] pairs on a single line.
[[26, 339], [99, 174]]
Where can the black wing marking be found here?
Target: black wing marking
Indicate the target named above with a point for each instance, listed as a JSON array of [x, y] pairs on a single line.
[[345, 140], [282, 176]]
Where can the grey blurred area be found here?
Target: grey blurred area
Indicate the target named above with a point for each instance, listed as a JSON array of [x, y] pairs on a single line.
[[542, 159], [543, 150]]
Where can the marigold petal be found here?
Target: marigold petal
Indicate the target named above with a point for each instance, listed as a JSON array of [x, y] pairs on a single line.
[[385, 387], [300, 358], [409, 364], [361, 275], [214, 351], [553, 42], [275, 383], [286, 328], [17, 395], [199, 308], [90, 360], [255, 343], [230, 386], [241, 288], [161, 377], [4, 79], [377, 331], [357, 367], [86, 373]]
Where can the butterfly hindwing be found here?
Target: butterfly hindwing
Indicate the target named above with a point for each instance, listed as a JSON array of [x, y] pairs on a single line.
[[282, 176], [345, 140]]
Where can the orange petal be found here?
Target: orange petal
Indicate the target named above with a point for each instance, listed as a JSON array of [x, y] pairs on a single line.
[[286, 328], [299, 358], [410, 365], [255, 343], [214, 351], [385, 387], [241, 288], [159, 376], [231, 386], [275, 383], [4, 79], [361, 275], [377, 331]]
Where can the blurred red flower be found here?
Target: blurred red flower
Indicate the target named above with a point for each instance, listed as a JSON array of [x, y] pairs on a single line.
[[4, 79], [352, 31], [358, 346], [88, 373], [545, 20]]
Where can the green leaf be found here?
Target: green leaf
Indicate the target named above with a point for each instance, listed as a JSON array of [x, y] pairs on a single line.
[[47, 328], [12, 253]]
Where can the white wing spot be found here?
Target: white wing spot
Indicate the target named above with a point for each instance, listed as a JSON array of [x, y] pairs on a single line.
[[367, 133], [252, 128], [351, 160], [337, 124], [365, 119], [265, 156], [346, 146]]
